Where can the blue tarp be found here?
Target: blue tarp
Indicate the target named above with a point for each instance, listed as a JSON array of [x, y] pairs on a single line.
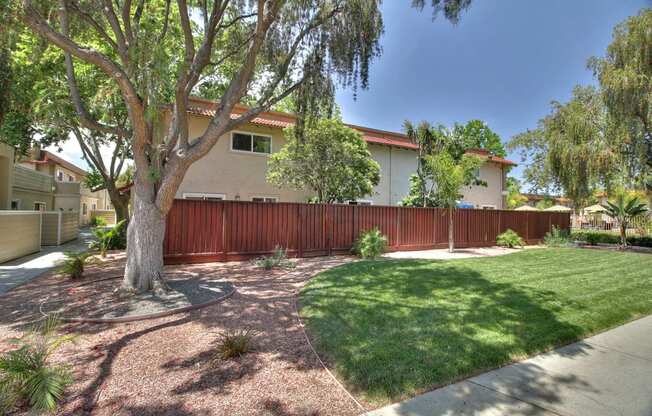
[[463, 204]]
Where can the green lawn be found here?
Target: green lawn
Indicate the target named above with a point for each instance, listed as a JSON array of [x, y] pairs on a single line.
[[394, 328]]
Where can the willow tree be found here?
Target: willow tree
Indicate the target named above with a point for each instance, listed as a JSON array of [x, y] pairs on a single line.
[[573, 146]]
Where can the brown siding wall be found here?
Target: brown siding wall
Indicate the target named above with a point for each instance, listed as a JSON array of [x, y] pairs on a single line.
[[200, 231]]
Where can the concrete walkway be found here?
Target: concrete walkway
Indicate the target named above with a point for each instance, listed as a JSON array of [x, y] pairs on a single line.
[[608, 374], [458, 253], [24, 269]]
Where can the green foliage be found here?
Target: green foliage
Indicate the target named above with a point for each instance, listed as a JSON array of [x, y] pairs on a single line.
[[545, 203], [509, 238], [97, 222], [234, 343], [514, 197], [449, 176], [26, 374], [624, 210], [416, 198], [625, 76], [331, 159], [370, 244], [73, 264], [557, 237], [114, 238], [476, 134], [605, 237], [93, 179], [278, 259]]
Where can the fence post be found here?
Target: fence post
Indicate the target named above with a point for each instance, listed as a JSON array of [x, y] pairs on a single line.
[[300, 230], [59, 228], [328, 228], [226, 230], [527, 227], [398, 227]]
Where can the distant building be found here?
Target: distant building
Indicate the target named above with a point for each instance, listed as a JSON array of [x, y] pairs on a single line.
[[534, 199]]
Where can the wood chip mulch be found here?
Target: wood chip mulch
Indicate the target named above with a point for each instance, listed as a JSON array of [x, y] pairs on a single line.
[[166, 366]]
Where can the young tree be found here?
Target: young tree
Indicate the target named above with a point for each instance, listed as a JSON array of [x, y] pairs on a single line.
[[331, 160], [450, 175], [514, 197], [624, 210], [158, 51], [425, 137]]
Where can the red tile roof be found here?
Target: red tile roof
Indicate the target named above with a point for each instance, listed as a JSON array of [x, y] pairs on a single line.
[[275, 119]]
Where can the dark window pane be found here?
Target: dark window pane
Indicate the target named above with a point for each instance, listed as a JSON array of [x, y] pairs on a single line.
[[242, 142], [262, 144]]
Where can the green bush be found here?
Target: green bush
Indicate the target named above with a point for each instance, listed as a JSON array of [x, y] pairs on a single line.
[[557, 237], [278, 259], [509, 239], [605, 237], [97, 222], [73, 264], [110, 238], [370, 244], [234, 343], [27, 376]]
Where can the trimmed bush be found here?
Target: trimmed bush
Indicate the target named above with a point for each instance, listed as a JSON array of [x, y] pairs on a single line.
[[97, 222], [26, 374], [370, 244], [603, 237], [510, 238]]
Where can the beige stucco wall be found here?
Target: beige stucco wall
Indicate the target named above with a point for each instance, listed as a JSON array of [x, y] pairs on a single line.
[[20, 234], [58, 227], [242, 175], [491, 195]]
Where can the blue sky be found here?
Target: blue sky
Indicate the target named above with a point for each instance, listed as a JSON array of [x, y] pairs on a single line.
[[503, 63]]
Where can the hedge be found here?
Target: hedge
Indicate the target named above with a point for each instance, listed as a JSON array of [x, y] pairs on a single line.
[[601, 237]]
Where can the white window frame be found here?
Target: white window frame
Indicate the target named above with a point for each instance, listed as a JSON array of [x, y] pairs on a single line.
[[60, 173], [265, 199], [361, 202], [203, 196], [45, 206], [251, 152], [488, 206]]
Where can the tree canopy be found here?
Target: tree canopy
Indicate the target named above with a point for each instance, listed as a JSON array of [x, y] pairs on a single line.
[[331, 160]]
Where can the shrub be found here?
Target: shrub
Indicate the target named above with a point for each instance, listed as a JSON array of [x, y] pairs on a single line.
[[111, 238], [370, 244], [97, 222], [234, 343], [557, 237], [510, 239], [27, 376], [73, 264], [604, 237], [278, 259]]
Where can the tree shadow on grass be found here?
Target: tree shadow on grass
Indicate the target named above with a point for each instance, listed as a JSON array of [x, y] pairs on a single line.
[[393, 329]]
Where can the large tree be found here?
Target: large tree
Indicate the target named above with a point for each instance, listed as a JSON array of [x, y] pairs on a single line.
[[476, 134], [571, 149], [330, 160], [264, 49]]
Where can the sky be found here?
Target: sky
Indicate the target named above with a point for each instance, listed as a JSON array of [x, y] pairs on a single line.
[[503, 63]]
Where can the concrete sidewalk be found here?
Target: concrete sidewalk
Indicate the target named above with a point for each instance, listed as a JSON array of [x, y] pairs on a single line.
[[24, 269], [608, 374]]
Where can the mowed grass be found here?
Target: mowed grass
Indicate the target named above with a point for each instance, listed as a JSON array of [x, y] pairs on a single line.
[[395, 328]]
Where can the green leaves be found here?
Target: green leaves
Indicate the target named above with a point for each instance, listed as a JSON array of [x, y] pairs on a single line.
[[450, 175], [332, 160]]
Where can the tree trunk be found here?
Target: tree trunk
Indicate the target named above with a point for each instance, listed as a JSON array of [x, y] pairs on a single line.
[[121, 206], [144, 268], [623, 234], [451, 235]]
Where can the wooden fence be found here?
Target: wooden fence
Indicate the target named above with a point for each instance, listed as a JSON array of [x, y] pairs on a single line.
[[203, 231]]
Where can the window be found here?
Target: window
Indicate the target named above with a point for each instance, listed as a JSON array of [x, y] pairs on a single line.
[[70, 178], [60, 175], [15, 204], [264, 199], [245, 142], [39, 206], [200, 196], [93, 207], [84, 208], [361, 202], [488, 206]]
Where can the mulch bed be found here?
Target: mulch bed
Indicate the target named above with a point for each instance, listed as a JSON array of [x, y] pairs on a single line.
[[165, 366]]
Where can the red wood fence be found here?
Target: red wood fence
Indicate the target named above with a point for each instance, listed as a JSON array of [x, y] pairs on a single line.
[[203, 231]]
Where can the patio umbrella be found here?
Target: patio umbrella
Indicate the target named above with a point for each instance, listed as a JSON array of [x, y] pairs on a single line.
[[594, 209], [558, 208], [526, 208]]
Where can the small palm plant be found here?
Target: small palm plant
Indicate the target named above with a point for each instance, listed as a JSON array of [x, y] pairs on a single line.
[[73, 264], [26, 374], [624, 211]]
